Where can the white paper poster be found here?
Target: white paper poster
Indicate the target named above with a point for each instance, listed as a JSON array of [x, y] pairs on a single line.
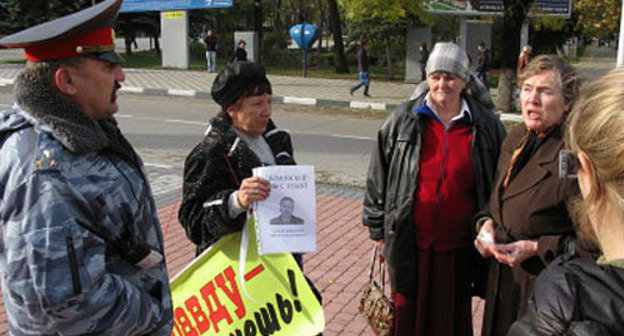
[[286, 220]]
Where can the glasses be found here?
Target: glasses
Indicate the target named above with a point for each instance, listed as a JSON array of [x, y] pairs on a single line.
[[568, 163]]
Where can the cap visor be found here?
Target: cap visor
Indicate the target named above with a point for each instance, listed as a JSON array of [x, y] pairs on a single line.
[[110, 56]]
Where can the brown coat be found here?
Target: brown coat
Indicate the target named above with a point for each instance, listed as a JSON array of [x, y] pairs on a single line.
[[531, 208]]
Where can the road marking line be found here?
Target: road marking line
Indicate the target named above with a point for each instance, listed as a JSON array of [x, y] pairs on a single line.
[[300, 101], [186, 122], [356, 137], [374, 106], [178, 92], [342, 136], [511, 117], [124, 116], [158, 165], [6, 81], [132, 89]]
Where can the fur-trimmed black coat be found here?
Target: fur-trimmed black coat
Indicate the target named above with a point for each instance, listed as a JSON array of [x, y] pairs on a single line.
[[213, 171]]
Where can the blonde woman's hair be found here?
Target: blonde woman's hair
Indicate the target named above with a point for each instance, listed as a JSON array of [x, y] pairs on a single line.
[[568, 77], [596, 127]]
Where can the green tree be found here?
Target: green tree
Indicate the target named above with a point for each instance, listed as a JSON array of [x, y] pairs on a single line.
[[384, 37], [514, 14], [386, 10], [146, 22], [224, 22], [549, 33], [383, 23], [335, 25], [599, 19], [16, 15]]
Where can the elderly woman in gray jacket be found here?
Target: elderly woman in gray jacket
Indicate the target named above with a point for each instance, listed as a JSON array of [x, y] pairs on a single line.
[[431, 170]]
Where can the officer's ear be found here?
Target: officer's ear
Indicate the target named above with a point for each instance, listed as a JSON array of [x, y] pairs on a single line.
[[64, 80]]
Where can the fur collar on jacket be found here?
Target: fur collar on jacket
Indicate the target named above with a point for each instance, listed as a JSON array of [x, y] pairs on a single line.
[[75, 130], [278, 140]]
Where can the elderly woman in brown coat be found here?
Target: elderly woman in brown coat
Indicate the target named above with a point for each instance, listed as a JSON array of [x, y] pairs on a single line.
[[526, 223]]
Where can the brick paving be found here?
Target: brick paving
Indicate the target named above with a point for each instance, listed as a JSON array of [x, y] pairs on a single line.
[[339, 268]]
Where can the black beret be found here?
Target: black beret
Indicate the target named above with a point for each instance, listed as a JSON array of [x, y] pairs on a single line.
[[235, 79]]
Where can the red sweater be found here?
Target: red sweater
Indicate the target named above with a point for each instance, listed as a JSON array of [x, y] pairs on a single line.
[[445, 196]]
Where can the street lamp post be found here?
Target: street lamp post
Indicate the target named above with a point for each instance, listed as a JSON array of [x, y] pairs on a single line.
[[620, 54]]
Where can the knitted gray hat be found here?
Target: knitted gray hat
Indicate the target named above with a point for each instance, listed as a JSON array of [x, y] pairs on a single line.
[[448, 57]]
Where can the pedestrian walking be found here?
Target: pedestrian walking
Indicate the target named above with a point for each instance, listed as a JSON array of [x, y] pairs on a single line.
[[128, 44], [526, 223], [210, 40], [362, 61], [483, 64], [81, 250], [133, 39], [431, 170], [575, 296], [240, 54], [524, 59], [424, 56]]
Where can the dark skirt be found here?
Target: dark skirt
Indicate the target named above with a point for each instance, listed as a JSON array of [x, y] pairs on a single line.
[[507, 296], [442, 304]]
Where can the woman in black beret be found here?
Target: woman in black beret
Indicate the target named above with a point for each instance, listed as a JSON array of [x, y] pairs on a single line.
[[218, 184]]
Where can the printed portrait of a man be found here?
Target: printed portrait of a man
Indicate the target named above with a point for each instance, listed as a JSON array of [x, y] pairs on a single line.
[[287, 205]]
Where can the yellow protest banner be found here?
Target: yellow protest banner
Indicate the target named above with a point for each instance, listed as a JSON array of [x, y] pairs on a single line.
[[208, 298]]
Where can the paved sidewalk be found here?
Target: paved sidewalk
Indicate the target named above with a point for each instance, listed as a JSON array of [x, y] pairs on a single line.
[[339, 269], [290, 90], [296, 90], [286, 90], [596, 62]]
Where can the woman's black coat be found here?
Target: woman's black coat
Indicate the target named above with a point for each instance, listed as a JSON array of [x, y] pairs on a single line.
[[213, 171]]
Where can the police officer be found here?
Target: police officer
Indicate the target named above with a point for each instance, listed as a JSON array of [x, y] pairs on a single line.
[[81, 249]]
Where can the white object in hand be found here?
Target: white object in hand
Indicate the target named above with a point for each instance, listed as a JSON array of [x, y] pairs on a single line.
[[485, 238]]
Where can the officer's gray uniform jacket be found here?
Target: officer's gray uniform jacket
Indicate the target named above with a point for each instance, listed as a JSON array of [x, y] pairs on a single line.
[[61, 171]]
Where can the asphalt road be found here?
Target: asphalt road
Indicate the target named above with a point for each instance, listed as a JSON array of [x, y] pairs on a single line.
[[165, 129]]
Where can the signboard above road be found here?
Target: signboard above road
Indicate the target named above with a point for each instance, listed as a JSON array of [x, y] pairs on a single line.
[[169, 5], [495, 7]]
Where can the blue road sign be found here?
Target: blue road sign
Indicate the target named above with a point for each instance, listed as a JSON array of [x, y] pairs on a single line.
[[168, 5], [304, 34]]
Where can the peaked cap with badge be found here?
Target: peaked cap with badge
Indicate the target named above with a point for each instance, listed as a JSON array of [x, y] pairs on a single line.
[[85, 33]]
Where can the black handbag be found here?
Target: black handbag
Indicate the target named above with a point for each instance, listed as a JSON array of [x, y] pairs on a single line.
[[376, 308]]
